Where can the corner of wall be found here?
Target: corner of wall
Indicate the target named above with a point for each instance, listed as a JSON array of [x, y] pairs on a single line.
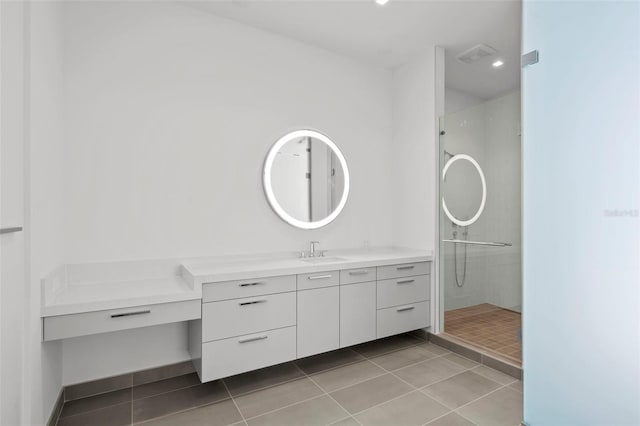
[[414, 150]]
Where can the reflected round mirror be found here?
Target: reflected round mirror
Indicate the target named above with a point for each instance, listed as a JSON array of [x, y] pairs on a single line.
[[465, 193], [306, 179]]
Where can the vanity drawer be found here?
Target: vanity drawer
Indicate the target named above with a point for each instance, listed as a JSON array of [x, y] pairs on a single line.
[[318, 280], [357, 275], [403, 270], [400, 319], [228, 357], [225, 290], [400, 291], [237, 317], [73, 325]]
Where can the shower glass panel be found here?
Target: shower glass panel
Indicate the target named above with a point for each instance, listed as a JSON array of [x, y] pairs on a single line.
[[480, 229]]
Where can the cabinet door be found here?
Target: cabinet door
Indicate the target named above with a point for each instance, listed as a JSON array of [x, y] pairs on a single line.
[[318, 321], [357, 313]]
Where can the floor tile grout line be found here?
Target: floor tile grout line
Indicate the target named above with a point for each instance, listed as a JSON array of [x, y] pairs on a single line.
[[445, 415], [195, 407], [265, 387], [343, 419], [396, 376], [409, 365], [384, 373], [131, 401], [354, 383], [330, 396], [235, 404], [285, 406], [455, 374], [166, 392], [455, 410], [384, 402], [475, 400], [93, 410]]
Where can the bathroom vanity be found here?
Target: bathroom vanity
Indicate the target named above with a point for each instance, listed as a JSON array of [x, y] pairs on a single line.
[[246, 313], [250, 312]]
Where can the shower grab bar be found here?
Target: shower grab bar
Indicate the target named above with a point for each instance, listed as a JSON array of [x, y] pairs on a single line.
[[479, 243]]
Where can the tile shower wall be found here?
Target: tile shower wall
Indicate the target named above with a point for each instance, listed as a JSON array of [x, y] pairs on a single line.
[[489, 132]]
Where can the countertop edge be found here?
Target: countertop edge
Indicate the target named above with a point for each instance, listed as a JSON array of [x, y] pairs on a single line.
[[202, 279]]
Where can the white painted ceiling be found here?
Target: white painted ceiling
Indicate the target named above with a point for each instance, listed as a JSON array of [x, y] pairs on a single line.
[[393, 34]]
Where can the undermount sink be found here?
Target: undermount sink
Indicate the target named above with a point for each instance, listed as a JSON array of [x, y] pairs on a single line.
[[322, 259]]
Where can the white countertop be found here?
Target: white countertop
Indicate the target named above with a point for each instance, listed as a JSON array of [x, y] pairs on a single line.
[[75, 289], [201, 272]]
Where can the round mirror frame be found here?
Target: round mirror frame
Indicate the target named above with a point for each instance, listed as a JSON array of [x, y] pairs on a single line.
[[451, 217], [268, 189]]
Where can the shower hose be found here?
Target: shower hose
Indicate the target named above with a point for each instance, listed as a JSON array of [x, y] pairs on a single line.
[[459, 282]]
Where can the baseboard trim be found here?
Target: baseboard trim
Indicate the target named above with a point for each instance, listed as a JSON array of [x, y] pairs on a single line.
[[57, 409]]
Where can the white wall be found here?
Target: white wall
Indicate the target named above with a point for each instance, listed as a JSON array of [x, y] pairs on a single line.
[[45, 216], [457, 100], [414, 150], [12, 246], [169, 114]]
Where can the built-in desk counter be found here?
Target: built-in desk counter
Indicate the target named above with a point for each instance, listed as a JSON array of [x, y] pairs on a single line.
[[79, 300]]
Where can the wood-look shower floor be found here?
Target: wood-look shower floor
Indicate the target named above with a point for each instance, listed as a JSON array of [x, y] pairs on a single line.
[[489, 327]]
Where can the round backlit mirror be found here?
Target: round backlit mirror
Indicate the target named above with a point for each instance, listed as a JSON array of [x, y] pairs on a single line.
[[306, 179], [463, 191]]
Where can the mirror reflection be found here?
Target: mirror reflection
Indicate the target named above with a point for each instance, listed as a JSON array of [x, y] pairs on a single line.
[[462, 190], [306, 179]]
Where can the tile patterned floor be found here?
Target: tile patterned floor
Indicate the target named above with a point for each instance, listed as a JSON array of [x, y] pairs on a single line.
[[489, 327], [402, 380]]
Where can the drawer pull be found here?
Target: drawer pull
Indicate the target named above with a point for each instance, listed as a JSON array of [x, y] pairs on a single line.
[[402, 268], [358, 272], [405, 281], [129, 314], [405, 308], [253, 339], [249, 284], [252, 302], [319, 277]]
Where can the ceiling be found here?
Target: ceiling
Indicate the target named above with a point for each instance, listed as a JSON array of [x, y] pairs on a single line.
[[393, 34]]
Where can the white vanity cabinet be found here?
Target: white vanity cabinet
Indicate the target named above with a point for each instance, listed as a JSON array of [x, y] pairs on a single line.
[[403, 298], [357, 306], [258, 322], [318, 325], [245, 325]]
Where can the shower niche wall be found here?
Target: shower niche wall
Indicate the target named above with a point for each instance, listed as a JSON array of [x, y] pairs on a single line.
[[480, 225]]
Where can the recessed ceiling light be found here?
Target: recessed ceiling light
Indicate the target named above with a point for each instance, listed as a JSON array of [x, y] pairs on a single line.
[[498, 63], [382, 2]]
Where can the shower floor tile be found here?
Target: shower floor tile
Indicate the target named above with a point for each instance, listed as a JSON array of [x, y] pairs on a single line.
[[488, 327]]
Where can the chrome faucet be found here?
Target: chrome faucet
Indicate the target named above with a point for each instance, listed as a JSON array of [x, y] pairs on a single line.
[[312, 248]]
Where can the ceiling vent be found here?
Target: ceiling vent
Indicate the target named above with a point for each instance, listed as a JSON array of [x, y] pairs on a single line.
[[476, 53]]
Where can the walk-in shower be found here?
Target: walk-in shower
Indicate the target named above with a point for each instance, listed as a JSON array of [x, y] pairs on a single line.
[[480, 267]]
